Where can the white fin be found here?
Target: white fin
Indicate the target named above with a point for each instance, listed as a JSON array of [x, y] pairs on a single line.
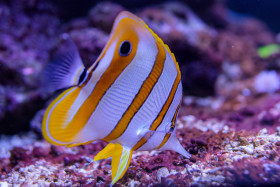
[[65, 70], [174, 145]]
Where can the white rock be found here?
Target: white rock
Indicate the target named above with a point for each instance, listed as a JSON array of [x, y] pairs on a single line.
[[4, 184], [267, 82], [249, 149], [263, 131], [162, 172]]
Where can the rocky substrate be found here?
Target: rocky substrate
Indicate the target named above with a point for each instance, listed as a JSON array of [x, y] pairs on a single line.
[[226, 158], [229, 120], [221, 154]]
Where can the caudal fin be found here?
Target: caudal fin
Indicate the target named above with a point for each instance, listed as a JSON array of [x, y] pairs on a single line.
[[65, 70], [121, 157]]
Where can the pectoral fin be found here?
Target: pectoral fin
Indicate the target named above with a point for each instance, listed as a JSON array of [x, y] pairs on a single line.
[[121, 157]]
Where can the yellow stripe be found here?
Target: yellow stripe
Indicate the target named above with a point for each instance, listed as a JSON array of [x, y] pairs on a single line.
[[121, 157], [167, 136], [55, 116], [161, 115], [119, 167], [126, 30], [143, 140], [166, 46], [141, 96], [122, 15], [118, 64]]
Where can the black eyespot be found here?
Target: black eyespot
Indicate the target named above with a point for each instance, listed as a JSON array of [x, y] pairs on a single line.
[[125, 48], [83, 75]]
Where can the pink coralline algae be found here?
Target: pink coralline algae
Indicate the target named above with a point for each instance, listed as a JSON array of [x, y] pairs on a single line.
[[229, 119]]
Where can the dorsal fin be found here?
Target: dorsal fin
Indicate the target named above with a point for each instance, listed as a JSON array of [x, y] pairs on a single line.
[[65, 70]]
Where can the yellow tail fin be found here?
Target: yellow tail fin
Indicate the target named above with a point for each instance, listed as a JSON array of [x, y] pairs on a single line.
[[121, 157]]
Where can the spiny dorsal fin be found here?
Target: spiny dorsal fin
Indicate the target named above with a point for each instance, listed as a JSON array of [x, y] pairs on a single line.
[[121, 157], [65, 70]]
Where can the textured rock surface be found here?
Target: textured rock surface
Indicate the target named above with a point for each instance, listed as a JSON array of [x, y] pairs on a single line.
[[220, 156], [27, 35], [232, 132]]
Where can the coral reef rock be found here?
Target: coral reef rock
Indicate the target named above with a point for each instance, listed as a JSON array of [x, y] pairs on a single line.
[[229, 119]]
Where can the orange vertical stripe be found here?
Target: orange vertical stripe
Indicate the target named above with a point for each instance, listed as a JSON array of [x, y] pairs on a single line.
[[59, 118], [140, 97], [126, 30], [118, 64], [161, 114], [167, 136]]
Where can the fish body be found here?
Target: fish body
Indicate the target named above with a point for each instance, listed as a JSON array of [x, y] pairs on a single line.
[[129, 97]]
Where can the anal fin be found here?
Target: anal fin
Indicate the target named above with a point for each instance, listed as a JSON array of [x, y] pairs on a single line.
[[121, 157]]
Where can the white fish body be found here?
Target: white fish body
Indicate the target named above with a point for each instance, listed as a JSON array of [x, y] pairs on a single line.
[[129, 97]]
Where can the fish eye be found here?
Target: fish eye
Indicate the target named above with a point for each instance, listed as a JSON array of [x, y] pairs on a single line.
[[125, 48]]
